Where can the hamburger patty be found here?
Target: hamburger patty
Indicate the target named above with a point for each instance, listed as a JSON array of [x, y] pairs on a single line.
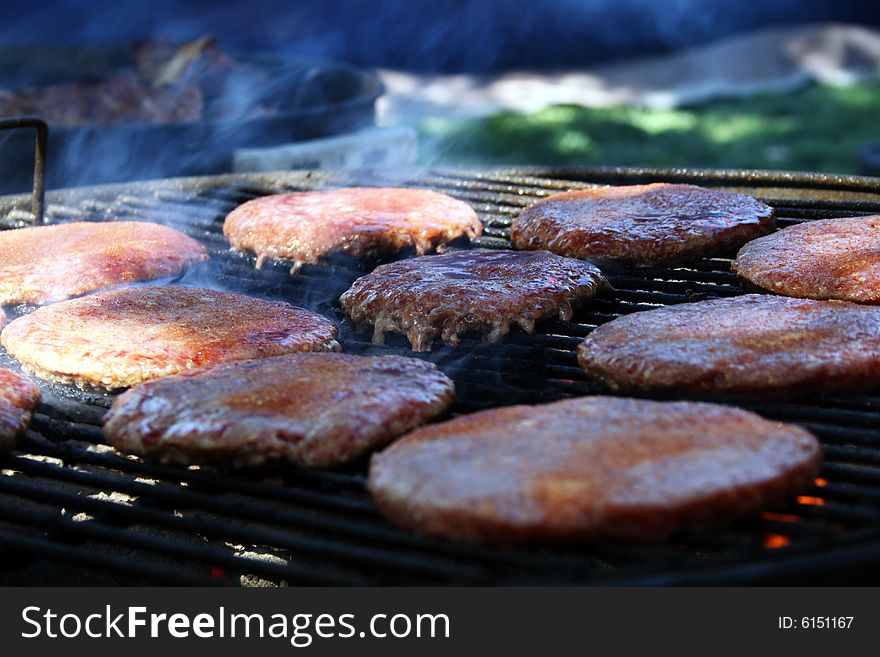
[[749, 345], [644, 225], [124, 337], [477, 290], [360, 221], [51, 263], [18, 398], [827, 259], [589, 468], [319, 410]]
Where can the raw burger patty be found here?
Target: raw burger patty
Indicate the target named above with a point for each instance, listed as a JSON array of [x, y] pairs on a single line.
[[827, 259], [18, 397], [477, 290], [125, 337], [749, 345], [51, 263], [589, 468], [644, 225], [318, 410], [360, 221]]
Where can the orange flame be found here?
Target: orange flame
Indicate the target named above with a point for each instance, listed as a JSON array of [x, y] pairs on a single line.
[[776, 541]]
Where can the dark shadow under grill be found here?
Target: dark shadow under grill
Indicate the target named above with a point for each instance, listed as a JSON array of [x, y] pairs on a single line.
[[67, 498]]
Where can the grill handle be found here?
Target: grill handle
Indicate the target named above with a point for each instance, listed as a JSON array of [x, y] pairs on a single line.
[[42, 141]]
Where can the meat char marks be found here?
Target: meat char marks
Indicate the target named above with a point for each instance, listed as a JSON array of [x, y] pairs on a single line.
[[589, 468], [745, 346], [51, 263], [315, 409], [478, 290], [360, 221], [642, 225], [125, 337], [824, 259]]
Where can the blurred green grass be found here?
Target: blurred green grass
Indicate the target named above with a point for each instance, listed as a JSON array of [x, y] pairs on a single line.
[[817, 128]]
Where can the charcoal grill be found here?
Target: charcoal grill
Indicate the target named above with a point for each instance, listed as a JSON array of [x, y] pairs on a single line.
[[67, 498]]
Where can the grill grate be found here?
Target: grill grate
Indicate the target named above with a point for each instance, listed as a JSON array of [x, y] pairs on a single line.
[[66, 497]]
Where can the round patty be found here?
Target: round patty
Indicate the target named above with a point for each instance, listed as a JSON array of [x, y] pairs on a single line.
[[50, 263], [644, 225], [18, 398], [319, 410], [468, 291], [827, 259], [360, 221], [749, 345], [125, 337], [589, 468]]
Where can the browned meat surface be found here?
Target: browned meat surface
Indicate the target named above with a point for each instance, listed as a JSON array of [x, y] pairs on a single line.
[[125, 337], [827, 259], [319, 410], [359, 221], [18, 397], [479, 291], [750, 345], [51, 263], [589, 468], [644, 225]]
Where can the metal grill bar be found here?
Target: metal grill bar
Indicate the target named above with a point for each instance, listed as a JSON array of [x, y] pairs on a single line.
[[66, 496]]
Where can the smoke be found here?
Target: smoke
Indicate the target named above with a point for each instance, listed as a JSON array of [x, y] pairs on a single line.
[[41, 43]]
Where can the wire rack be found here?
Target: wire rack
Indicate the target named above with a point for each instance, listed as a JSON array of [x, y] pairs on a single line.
[[66, 498]]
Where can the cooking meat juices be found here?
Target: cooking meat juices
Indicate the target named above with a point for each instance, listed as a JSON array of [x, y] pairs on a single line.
[[477, 290], [360, 221], [51, 263], [642, 225], [589, 468], [125, 337], [314, 409]]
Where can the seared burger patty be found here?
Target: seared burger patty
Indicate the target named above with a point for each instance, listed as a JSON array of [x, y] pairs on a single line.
[[360, 221], [749, 345], [51, 263], [18, 398], [589, 468], [644, 225], [468, 291], [318, 410], [827, 259], [125, 337]]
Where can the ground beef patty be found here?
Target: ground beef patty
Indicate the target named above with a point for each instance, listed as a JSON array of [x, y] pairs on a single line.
[[644, 225], [18, 398], [360, 221], [468, 291], [749, 345], [51, 263], [319, 410], [827, 259], [125, 337], [589, 468]]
